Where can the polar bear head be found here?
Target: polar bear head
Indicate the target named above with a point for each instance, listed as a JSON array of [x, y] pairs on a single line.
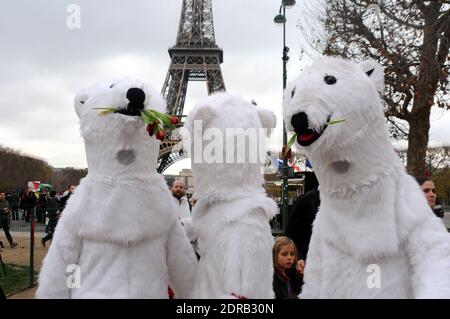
[[117, 143], [225, 136], [333, 89], [357, 148]]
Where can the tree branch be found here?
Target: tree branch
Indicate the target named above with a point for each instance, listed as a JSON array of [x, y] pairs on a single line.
[[444, 47], [421, 6], [393, 17]]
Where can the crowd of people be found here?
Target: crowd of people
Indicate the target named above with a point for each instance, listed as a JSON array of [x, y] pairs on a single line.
[[48, 205]]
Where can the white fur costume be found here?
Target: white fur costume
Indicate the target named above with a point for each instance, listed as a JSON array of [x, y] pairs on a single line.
[[232, 214], [374, 220], [120, 226]]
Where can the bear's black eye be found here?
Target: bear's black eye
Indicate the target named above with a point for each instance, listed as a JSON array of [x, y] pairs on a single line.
[[329, 79], [81, 102], [292, 93], [111, 86]]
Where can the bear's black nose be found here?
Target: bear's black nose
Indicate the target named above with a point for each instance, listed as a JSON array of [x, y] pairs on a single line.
[[299, 122], [136, 96]]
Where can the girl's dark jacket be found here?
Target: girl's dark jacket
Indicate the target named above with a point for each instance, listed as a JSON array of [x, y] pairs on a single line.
[[280, 285]]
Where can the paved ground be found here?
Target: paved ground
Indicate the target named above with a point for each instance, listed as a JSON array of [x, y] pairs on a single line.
[[20, 231], [20, 254], [25, 294]]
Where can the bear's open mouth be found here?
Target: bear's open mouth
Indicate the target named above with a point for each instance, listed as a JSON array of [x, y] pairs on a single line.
[[306, 136], [309, 137]]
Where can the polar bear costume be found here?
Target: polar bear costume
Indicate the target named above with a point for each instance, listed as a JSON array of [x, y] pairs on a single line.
[[232, 213], [375, 235], [120, 226]]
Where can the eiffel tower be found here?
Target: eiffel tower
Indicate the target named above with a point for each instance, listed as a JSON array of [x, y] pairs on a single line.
[[195, 57]]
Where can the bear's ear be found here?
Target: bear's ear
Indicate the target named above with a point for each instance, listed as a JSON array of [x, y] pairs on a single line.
[[267, 118], [375, 72], [79, 100]]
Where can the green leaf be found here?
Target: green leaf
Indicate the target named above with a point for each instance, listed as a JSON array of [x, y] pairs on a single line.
[[163, 118], [148, 118], [291, 142], [335, 121], [159, 113], [106, 110]]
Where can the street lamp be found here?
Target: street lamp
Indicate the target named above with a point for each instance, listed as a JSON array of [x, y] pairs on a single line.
[[280, 19]]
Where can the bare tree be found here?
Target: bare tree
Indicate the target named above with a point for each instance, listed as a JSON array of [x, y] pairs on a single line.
[[441, 179], [62, 178], [411, 39], [437, 158], [17, 169]]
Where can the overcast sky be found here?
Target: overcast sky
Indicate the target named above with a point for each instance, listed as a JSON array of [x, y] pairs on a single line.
[[43, 63]]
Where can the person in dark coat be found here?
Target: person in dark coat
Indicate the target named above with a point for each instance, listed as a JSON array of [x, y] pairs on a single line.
[[27, 203], [63, 200], [299, 227], [41, 206], [5, 212], [52, 214], [14, 200]]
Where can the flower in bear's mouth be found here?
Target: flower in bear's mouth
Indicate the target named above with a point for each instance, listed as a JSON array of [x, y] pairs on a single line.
[[156, 121], [305, 136]]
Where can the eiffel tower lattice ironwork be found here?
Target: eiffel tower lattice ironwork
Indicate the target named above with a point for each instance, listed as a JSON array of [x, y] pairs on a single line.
[[195, 57]]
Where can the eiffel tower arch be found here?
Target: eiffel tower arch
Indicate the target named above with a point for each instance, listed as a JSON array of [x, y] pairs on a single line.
[[195, 57]]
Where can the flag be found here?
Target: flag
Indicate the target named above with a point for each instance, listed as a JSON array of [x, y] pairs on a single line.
[[308, 164], [278, 163], [34, 185], [295, 167]]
